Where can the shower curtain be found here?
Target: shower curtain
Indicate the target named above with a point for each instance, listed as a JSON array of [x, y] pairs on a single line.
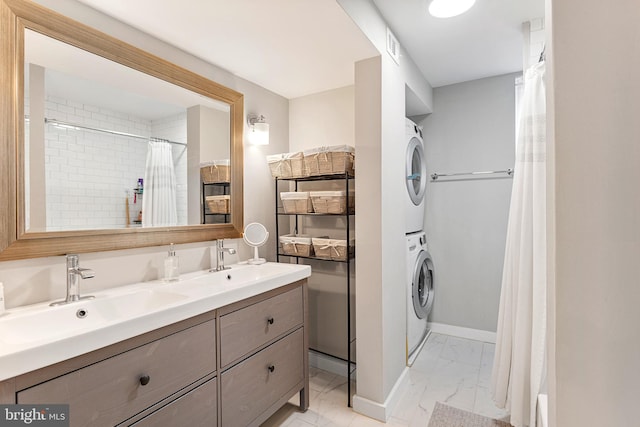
[[519, 365], [159, 199]]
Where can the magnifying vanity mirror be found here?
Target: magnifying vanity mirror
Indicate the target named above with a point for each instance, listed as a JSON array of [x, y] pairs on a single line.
[[255, 235], [102, 143]]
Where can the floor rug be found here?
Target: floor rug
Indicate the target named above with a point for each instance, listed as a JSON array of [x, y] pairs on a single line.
[[448, 416]]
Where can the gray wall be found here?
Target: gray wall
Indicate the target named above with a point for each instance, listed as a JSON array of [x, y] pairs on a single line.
[[472, 128]]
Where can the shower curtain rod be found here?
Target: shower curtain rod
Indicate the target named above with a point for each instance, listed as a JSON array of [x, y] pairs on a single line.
[[435, 176], [112, 132]]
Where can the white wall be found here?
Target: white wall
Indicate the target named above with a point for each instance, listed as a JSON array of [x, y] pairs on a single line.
[[472, 128], [595, 151], [369, 302], [34, 280], [380, 271], [322, 119], [325, 119]]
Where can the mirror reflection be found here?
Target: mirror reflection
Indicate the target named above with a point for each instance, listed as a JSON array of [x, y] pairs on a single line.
[[108, 147]]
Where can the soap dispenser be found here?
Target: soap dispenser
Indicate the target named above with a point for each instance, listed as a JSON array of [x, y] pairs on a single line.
[[171, 266]]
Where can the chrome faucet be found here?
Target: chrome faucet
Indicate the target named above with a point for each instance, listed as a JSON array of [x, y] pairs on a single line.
[[220, 250], [74, 273]]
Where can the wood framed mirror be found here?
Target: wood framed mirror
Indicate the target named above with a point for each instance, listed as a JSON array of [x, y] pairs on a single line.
[[37, 217]]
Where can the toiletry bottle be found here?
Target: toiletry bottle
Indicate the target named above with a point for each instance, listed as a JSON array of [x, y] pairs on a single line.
[[171, 266], [1, 299]]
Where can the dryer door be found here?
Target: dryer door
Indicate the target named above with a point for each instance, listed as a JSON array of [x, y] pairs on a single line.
[[416, 171], [422, 285]]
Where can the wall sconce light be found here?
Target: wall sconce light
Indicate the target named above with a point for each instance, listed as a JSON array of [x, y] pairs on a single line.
[[258, 130]]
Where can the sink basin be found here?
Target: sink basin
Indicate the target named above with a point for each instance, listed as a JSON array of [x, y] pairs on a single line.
[[236, 277], [48, 323], [37, 336]]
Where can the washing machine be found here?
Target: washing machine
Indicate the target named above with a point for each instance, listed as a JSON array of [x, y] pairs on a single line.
[[415, 178], [419, 293]]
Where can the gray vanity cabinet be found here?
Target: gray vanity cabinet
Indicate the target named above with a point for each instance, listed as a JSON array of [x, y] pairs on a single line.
[[248, 328], [121, 386], [269, 338], [196, 408], [234, 366]]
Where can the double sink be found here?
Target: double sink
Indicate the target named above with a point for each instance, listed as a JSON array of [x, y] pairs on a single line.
[[36, 336]]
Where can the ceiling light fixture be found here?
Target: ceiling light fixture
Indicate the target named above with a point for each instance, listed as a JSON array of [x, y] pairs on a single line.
[[449, 8]]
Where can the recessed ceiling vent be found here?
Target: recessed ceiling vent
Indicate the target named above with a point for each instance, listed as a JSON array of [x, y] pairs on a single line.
[[393, 47]]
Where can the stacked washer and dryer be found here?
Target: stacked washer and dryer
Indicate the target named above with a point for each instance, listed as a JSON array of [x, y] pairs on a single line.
[[419, 281]]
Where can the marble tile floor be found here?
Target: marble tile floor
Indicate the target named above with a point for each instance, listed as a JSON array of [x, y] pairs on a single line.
[[450, 370]]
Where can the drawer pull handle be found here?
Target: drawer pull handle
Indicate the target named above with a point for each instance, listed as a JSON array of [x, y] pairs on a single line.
[[270, 320], [144, 380], [271, 368]]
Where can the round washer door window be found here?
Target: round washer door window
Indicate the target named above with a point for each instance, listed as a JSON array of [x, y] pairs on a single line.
[[422, 285], [415, 171]]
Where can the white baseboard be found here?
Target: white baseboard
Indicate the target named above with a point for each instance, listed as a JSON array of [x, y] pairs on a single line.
[[382, 411], [459, 331], [328, 363]]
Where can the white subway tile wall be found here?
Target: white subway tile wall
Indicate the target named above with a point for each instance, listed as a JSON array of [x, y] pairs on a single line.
[[89, 174]]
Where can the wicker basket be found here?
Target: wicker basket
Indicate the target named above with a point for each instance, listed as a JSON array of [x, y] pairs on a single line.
[[287, 165], [296, 245], [333, 160], [218, 204], [334, 249], [332, 202], [216, 171], [296, 202]]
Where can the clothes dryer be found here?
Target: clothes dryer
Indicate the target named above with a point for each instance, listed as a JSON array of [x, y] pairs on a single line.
[[415, 178], [419, 293]]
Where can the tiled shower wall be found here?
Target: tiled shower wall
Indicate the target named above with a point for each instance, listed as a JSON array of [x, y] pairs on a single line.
[[90, 175]]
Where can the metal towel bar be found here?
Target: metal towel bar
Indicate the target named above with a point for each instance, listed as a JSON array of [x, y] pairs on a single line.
[[435, 176]]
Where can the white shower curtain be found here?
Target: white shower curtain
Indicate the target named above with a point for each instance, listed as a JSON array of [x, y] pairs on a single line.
[[159, 199], [519, 365]]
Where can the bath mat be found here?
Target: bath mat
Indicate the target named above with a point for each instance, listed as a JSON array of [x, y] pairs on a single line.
[[448, 416]]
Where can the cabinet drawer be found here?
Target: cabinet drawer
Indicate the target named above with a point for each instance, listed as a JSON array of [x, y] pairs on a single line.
[[194, 409], [250, 387], [251, 327], [111, 391]]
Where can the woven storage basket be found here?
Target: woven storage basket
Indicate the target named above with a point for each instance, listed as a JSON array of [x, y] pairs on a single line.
[[334, 249], [330, 160], [332, 202], [218, 204], [296, 202], [296, 245], [216, 171], [287, 165]]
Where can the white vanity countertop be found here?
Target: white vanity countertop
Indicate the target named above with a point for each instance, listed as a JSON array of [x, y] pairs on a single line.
[[36, 336]]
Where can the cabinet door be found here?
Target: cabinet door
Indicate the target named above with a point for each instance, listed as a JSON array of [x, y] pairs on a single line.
[[251, 327], [253, 386], [110, 391], [194, 409]]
